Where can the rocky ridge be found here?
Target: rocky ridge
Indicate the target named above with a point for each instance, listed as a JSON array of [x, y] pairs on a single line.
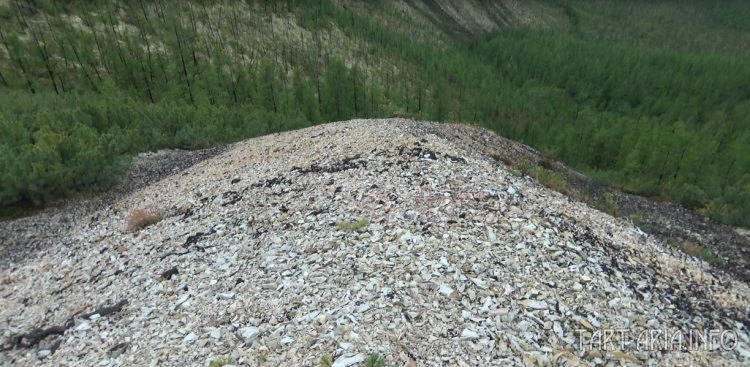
[[358, 237]]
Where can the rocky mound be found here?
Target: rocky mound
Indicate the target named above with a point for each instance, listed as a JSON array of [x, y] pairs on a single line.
[[359, 237]]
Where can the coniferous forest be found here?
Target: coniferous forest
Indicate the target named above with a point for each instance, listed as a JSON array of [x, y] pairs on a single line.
[[650, 97]]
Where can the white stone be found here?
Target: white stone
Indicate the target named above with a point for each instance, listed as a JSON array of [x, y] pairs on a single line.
[[84, 326], [249, 333], [535, 304], [348, 361], [213, 332], [191, 337], [225, 296], [445, 289], [491, 234], [469, 334]]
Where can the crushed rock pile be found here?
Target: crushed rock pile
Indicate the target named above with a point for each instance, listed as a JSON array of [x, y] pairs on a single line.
[[358, 237]]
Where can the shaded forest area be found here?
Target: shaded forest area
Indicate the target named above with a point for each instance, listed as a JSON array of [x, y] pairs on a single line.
[[84, 86]]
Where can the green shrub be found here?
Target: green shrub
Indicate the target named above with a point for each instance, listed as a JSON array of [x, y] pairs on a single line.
[[690, 196], [702, 252], [551, 179], [637, 218], [608, 204]]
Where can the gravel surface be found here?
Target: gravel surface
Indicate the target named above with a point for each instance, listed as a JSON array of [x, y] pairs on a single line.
[[23, 237], [669, 222], [357, 237]]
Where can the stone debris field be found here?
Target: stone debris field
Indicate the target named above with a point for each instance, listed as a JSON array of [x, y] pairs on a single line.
[[352, 238]]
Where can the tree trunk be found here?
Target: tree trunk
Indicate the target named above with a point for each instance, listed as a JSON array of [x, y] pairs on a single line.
[[119, 51], [144, 36], [354, 82], [91, 26], [61, 46], [184, 67], [19, 62]]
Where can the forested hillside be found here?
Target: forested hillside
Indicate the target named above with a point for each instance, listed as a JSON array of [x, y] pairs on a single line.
[[653, 98]]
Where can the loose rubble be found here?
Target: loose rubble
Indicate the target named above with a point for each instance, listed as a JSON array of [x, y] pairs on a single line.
[[460, 263]]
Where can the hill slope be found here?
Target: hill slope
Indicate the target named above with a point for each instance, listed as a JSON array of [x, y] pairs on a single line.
[[351, 238], [648, 97]]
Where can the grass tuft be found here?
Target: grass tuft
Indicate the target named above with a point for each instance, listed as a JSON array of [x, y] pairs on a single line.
[[375, 360], [353, 226], [221, 362], [326, 361]]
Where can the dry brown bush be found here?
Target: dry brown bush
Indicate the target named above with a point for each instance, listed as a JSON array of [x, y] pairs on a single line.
[[140, 218]]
